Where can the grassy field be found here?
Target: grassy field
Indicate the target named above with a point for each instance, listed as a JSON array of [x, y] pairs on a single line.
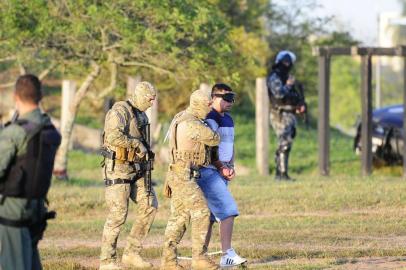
[[338, 222]]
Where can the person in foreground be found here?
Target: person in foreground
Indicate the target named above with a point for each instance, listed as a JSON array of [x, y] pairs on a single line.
[[28, 147]]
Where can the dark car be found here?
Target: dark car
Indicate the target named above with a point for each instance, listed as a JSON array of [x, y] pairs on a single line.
[[387, 138]]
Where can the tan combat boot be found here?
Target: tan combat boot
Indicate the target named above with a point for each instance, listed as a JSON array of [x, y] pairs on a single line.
[[109, 266], [135, 260], [204, 263]]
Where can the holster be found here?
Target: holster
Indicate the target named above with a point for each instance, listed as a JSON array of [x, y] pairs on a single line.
[[37, 230], [186, 172]]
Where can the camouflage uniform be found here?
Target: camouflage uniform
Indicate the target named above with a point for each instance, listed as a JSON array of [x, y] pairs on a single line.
[[190, 141], [123, 136], [283, 121]]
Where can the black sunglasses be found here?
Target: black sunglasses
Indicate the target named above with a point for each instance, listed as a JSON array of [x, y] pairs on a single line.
[[229, 97]]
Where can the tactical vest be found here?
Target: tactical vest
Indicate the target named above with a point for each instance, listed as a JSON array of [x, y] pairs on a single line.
[[198, 156], [122, 154], [29, 175]]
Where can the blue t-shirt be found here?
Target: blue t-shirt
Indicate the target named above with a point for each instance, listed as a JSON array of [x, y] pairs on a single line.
[[224, 125]]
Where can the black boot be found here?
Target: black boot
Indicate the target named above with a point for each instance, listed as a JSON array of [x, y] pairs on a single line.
[[284, 163], [278, 175]]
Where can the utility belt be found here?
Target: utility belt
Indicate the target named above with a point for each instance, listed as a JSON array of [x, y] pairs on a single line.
[[181, 168], [25, 222], [109, 182], [284, 108]]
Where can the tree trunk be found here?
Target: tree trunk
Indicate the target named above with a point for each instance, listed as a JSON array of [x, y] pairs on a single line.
[[61, 160]]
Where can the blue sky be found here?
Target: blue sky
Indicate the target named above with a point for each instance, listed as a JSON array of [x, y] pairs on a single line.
[[360, 16]]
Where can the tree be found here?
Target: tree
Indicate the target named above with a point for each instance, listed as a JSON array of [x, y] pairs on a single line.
[[181, 42]]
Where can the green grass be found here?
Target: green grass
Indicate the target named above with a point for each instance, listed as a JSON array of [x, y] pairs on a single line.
[[313, 223]]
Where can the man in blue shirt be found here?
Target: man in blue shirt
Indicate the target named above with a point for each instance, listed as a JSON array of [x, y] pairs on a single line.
[[215, 177]]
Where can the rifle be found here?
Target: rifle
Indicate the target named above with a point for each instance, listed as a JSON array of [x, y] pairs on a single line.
[[149, 163], [149, 157], [298, 87]]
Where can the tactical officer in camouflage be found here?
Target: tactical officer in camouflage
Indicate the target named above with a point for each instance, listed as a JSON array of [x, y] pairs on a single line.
[[125, 149], [28, 146], [190, 144], [286, 101]]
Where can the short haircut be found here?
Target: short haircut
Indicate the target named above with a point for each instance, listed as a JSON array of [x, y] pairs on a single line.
[[220, 87], [28, 88]]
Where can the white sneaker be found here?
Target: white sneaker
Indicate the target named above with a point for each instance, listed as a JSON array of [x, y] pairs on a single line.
[[231, 259]]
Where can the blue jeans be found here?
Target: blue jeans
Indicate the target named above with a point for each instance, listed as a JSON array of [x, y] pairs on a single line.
[[219, 199]]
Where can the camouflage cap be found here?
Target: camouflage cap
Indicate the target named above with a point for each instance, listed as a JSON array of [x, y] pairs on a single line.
[[143, 93]]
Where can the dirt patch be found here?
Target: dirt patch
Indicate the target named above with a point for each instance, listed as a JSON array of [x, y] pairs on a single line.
[[341, 213], [62, 243], [69, 243], [373, 263], [378, 263], [93, 263]]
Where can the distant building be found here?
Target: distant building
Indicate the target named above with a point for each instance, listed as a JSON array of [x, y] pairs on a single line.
[[387, 26]]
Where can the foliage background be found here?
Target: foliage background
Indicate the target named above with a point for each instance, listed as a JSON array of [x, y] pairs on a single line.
[[175, 44]]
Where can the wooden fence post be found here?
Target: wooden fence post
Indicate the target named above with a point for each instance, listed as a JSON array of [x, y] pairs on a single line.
[[403, 49], [152, 114], [68, 95], [366, 102], [131, 83], [324, 114], [262, 126]]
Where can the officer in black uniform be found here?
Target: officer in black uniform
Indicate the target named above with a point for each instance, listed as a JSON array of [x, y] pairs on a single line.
[[286, 101]]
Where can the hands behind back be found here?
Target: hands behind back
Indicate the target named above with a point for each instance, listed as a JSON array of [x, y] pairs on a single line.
[[227, 172]]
